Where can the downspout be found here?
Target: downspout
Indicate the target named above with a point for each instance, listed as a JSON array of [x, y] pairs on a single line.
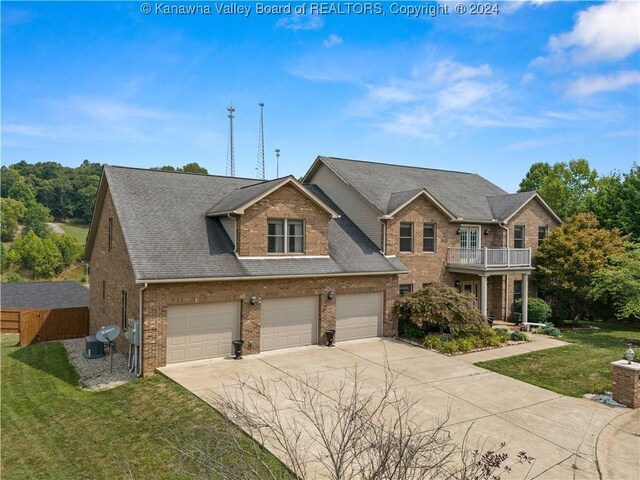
[[142, 289], [506, 291], [235, 231]]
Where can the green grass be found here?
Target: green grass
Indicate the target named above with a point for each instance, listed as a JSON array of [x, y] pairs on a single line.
[[576, 369], [79, 232], [53, 429]]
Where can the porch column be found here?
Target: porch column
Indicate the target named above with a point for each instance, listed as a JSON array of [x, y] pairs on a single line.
[[525, 298], [483, 295]]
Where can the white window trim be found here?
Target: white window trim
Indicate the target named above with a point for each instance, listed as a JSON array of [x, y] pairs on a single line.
[[286, 237], [478, 228], [400, 237]]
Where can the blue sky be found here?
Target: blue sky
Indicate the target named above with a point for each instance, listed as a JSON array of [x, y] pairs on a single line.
[[540, 81]]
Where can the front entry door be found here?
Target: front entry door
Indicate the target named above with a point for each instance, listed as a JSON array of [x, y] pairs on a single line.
[[470, 244]]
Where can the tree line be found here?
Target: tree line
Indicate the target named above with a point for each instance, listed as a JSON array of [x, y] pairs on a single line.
[[589, 268]]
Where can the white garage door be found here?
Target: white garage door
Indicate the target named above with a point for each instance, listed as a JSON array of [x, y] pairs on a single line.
[[202, 330], [358, 315], [288, 322]]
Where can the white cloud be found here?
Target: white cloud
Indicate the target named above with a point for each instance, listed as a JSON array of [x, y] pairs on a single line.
[[603, 83], [526, 78], [606, 32], [448, 71], [301, 22], [390, 93], [332, 41]]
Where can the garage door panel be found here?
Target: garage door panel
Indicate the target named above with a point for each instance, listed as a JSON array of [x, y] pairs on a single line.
[[201, 331], [358, 316], [288, 322]]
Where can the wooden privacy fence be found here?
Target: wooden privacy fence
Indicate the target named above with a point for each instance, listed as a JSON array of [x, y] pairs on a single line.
[[45, 325], [9, 321]]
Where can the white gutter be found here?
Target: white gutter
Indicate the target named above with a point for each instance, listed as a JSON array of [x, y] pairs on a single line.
[[266, 277], [142, 289]]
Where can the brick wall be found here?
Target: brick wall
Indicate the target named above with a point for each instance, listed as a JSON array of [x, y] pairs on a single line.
[[426, 267], [158, 297], [626, 387], [532, 216], [114, 268], [286, 202]]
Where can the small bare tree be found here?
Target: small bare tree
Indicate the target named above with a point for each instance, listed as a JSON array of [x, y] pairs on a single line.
[[336, 428]]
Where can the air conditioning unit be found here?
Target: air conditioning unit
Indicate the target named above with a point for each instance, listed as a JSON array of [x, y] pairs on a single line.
[[93, 348]]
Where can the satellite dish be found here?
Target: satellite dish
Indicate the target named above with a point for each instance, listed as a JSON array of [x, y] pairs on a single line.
[[108, 333]]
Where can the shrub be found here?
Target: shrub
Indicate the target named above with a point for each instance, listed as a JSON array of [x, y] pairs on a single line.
[[501, 331], [548, 329], [518, 337], [451, 346], [433, 342], [442, 306], [539, 311], [411, 330]]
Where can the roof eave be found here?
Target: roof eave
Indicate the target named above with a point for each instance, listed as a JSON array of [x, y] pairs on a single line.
[[266, 277]]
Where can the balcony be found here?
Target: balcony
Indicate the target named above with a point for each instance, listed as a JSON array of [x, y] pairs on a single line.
[[489, 259]]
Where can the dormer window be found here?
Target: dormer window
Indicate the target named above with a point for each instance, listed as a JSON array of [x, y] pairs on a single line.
[[285, 236]]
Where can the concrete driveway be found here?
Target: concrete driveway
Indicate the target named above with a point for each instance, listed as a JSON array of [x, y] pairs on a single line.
[[560, 432]]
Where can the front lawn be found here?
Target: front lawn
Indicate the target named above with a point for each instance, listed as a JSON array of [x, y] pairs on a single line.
[[53, 429], [583, 367]]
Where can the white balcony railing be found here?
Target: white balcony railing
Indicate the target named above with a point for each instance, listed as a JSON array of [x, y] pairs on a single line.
[[490, 257]]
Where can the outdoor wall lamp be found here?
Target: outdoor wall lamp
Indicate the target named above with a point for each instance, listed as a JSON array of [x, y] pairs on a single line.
[[629, 354], [457, 283], [331, 294], [253, 300], [458, 232], [486, 231]]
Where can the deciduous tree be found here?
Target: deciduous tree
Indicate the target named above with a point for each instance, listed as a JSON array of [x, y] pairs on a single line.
[[569, 257], [619, 283]]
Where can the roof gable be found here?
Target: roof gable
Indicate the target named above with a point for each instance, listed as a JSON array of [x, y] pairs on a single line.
[[239, 200], [399, 200]]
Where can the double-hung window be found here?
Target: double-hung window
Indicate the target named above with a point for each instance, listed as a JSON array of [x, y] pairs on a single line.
[[285, 236], [518, 236], [406, 237], [542, 234], [429, 237]]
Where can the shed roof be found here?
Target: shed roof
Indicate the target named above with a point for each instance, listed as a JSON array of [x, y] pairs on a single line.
[[44, 295]]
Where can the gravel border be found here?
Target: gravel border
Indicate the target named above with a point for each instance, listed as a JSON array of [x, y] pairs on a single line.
[[95, 372]]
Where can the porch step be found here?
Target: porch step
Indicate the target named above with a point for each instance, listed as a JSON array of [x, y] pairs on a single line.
[[501, 324]]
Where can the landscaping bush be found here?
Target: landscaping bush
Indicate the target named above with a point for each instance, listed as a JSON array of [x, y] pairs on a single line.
[[518, 337], [548, 329], [442, 306], [539, 311], [467, 342], [411, 330]]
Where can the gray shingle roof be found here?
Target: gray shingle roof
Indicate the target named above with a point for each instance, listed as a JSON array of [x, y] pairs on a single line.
[[169, 236], [242, 196], [464, 194], [44, 295], [503, 206]]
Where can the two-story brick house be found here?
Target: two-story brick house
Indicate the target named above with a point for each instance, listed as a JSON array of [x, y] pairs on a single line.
[[203, 260], [445, 226]]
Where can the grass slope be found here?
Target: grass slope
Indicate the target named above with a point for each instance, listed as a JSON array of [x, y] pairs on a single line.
[[79, 232], [53, 429], [583, 367]]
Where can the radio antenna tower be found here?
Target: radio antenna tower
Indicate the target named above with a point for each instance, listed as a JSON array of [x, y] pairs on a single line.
[[260, 167], [231, 161], [277, 162]]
